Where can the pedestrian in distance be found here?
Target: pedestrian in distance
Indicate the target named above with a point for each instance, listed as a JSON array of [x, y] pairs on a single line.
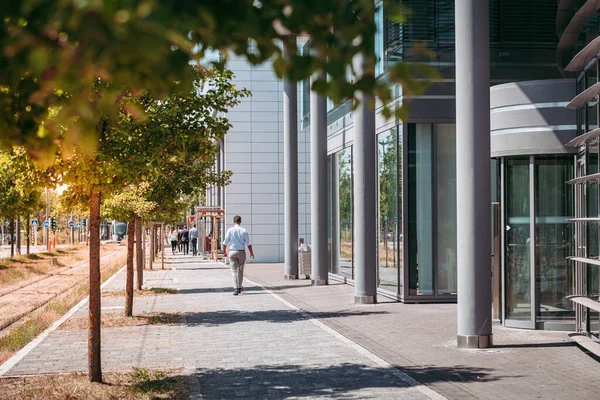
[[179, 238], [194, 239], [237, 239], [173, 238], [184, 237]]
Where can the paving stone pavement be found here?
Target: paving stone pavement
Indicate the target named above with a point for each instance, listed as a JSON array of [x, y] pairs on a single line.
[[420, 339], [250, 346]]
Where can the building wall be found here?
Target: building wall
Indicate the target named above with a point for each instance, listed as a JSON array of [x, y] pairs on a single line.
[[254, 153]]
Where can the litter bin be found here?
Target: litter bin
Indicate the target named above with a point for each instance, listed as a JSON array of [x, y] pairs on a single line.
[[304, 266]]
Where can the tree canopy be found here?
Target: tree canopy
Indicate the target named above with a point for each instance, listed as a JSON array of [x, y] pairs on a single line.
[[54, 52]]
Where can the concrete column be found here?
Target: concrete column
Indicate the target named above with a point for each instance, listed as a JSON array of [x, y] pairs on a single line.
[[473, 174], [365, 195], [290, 176], [318, 187]]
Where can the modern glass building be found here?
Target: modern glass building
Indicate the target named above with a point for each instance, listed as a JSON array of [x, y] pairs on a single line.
[[417, 157], [535, 211]]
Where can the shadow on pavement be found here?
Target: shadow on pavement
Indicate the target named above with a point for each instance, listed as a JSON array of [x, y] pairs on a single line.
[[219, 290], [339, 381], [458, 373], [533, 345], [216, 318]]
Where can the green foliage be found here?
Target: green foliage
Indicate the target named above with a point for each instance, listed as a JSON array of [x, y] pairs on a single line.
[[20, 179], [388, 178], [128, 203], [58, 55], [345, 188]]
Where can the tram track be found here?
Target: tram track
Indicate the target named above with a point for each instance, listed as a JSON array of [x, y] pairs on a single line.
[[18, 303]]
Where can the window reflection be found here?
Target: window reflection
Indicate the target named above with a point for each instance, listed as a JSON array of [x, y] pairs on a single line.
[[518, 256], [446, 207], [346, 220], [553, 236], [389, 221]]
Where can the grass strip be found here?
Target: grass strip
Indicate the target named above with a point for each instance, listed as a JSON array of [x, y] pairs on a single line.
[[119, 320], [140, 383]]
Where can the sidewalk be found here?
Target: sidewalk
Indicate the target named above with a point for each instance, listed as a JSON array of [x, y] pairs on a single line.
[[420, 339], [253, 346]]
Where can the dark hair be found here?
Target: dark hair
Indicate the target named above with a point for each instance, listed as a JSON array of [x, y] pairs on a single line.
[[237, 219]]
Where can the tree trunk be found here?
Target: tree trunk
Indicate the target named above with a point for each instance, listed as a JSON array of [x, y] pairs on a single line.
[[94, 355], [18, 240], [12, 238], [28, 229], [138, 253], [151, 250], [144, 229], [162, 247], [129, 281]]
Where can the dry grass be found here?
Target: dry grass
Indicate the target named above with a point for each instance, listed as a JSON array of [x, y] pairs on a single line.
[[41, 319], [144, 292], [138, 384], [26, 267], [119, 321]]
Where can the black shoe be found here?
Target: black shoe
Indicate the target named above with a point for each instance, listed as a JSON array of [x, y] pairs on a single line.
[[236, 292], [241, 290]]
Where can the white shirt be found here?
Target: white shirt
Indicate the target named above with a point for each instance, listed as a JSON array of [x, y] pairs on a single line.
[[237, 238]]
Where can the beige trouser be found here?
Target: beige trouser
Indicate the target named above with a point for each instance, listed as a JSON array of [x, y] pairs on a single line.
[[237, 260]]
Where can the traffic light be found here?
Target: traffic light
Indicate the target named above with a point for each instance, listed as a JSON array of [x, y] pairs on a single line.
[[53, 222]]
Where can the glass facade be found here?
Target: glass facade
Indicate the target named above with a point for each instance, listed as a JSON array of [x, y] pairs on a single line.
[[431, 196], [416, 211], [538, 239], [345, 179], [446, 208], [554, 204], [420, 209], [390, 220], [517, 240]]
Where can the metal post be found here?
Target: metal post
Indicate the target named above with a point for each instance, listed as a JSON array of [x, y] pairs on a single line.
[[365, 194], [47, 216], [290, 175], [473, 174], [318, 186]]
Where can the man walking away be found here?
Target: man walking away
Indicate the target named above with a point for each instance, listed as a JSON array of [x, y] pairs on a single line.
[[194, 239], [237, 239], [185, 240]]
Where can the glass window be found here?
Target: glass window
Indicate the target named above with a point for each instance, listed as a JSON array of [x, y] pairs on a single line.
[[554, 236], [388, 213], [517, 240], [420, 212], [345, 179], [446, 207]]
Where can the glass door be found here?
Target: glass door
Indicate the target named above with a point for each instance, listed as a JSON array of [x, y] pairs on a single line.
[[518, 240]]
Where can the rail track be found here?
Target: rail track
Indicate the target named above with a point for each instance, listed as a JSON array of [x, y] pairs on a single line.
[[17, 303]]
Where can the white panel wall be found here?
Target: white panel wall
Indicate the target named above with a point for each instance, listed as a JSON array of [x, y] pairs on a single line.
[[254, 153]]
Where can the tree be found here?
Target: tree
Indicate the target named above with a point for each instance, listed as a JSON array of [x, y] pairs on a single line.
[[54, 52], [128, 205], [20, 179], [149, 140]]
